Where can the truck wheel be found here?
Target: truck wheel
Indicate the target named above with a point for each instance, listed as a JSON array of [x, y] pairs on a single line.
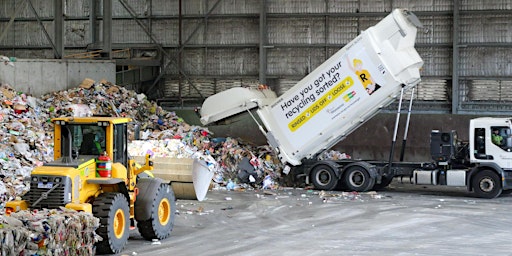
[[357, 178], [114, 213], [323, 177], [487, 184], [384, 183], [163, 209]]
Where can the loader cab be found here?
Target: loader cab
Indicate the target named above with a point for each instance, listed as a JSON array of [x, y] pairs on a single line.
[[88, 137]]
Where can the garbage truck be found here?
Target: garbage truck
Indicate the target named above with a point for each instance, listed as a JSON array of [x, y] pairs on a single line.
[[349, 88], [93, 172]]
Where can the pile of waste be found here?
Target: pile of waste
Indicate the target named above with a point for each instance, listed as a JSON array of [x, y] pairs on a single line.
[[26, 134], [48, 232]]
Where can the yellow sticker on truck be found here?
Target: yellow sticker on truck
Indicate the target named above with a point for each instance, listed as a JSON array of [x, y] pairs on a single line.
[[321, 103]]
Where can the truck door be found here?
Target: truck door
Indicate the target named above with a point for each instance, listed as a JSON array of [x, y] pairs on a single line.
[[500, 146], [479, 142]]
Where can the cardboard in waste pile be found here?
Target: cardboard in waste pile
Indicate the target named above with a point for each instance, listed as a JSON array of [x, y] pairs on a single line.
[[87, 83]]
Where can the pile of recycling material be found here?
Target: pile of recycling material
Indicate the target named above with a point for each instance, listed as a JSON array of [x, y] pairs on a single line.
[[48, 232], [26, 135]]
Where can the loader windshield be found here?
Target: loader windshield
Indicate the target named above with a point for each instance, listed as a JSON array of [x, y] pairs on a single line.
[[88, 139]]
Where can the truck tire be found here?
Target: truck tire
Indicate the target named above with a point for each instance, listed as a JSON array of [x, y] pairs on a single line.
[[486, 184], [114, 213], [357, 178], [383, 184], [324, 177], [163, 209]]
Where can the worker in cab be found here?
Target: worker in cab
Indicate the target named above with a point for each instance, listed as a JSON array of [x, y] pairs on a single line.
[[92, 144], [496, 137]]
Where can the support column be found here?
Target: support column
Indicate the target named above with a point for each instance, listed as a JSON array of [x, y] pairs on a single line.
[[263, 42], [58, 21], [455, 59], [92, 21], [107, 28]]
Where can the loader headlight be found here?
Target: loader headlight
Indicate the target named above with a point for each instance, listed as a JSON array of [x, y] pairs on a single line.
[[34, 179], [58, 180]]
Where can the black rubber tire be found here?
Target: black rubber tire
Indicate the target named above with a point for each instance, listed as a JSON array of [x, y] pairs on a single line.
[[357, 178], [383, 184], [324, 177], [114, 213], [163, 210], [486, 184], [506, 192]]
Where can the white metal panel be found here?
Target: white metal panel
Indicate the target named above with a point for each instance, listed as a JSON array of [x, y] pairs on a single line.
[[331, 102], [234, 101]]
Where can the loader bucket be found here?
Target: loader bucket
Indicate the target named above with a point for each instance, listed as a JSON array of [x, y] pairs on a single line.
[[190, 177]]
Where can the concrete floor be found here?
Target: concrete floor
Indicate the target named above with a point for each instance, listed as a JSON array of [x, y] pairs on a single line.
[[402, 220]]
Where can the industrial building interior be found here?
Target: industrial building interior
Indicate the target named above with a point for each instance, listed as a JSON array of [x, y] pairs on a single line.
[[257, 183], [180, 52]]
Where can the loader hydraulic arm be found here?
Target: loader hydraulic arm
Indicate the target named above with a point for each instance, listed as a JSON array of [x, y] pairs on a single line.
[[148, 166]]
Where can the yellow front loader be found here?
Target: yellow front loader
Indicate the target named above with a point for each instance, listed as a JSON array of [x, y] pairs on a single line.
[[93, 172]]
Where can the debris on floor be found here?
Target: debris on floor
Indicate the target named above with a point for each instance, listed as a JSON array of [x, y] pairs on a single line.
[[328, 196]]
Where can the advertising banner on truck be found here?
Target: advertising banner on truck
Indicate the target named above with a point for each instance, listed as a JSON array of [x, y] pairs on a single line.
[[345, 91], [347, 78]]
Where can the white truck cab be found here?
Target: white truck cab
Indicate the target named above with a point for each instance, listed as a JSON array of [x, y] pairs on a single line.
[[483, 149]]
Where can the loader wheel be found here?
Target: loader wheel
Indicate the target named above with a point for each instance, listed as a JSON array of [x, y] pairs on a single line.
[[323, 177], [357, 178], [114, 213], [487, 184], [163, 210]]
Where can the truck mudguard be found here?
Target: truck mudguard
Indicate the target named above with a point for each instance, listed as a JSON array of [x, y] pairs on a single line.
[[330, 163], [372, 170]]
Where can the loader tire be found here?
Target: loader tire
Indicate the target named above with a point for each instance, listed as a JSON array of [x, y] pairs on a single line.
[[163, 209], [324, 177], [114, 213], [357, 178], [487, 184]]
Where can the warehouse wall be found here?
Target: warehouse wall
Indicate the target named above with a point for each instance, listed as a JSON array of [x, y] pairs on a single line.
[[211, 46], [41, 76], [371, 141]]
